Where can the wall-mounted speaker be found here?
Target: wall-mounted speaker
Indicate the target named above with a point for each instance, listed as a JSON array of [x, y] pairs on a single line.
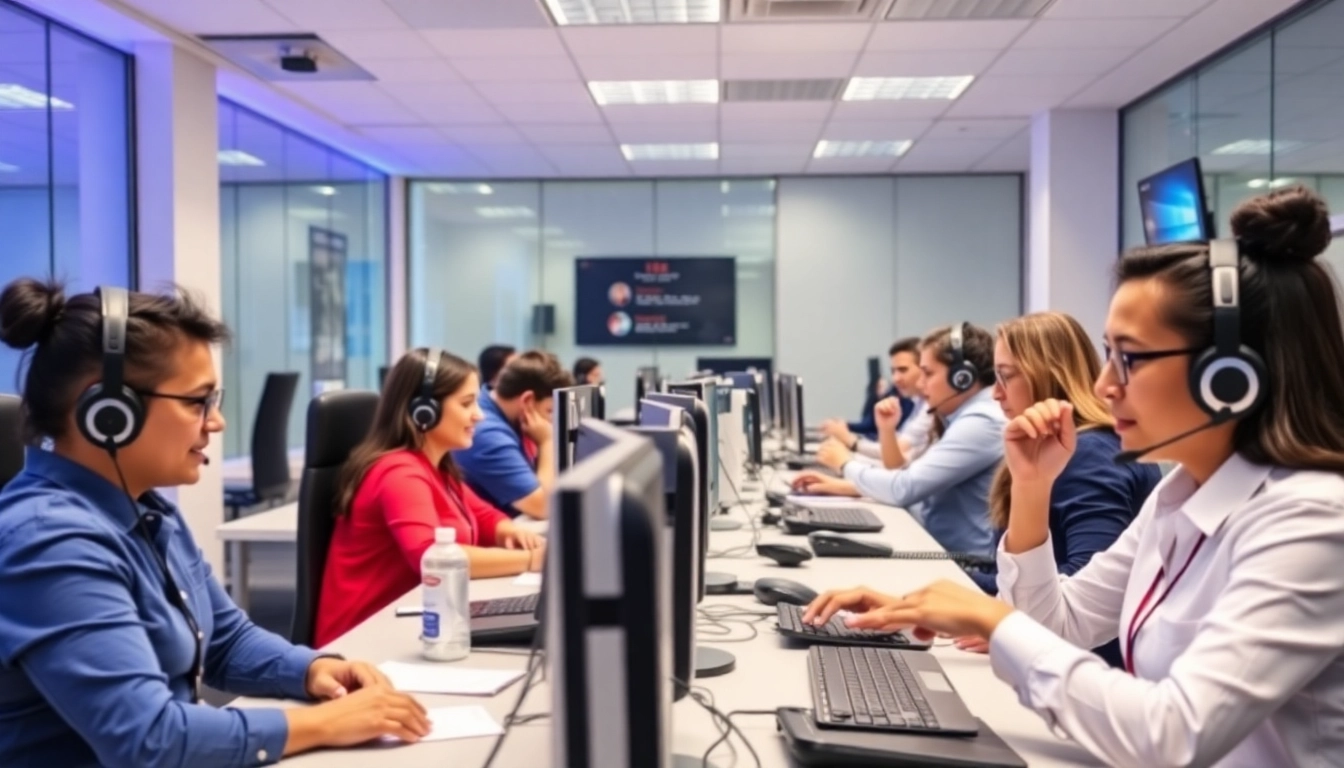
[[543, 319]]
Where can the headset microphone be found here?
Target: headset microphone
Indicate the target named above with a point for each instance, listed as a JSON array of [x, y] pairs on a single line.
[[1129, 457]]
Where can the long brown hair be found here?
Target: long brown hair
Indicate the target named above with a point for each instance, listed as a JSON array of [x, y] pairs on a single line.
[[1057, 360], [392, 429], [1290, 315]]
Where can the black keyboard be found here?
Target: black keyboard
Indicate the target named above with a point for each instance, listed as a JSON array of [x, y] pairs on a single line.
[[505, 606], [800, 519], [834, 632], [867, 688]]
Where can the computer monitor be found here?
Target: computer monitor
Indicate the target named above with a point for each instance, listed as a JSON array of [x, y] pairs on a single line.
[[669, 428], [572, 405], [751, 415], [706, 391], [1173, 205], [608, 605], [600, 402], [646, 381], [781, 413], [799, 423]]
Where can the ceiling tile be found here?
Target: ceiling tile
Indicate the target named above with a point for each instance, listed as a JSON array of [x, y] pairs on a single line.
[[471, 14], [675, 167], [576, 160], [535, 93], [379, 44], [783, 66], [763, 111], [515, 69], [799, 151], [702, 66], [504, 154], [884, 130], [1110, 9], [753, 166], [1087, 33], [910, 109], [660, 113], [1012, 155], [1049, 61], [970, 149], [650, 40], [434, 70], [770, 132], [326, 15], [567, 134], [932, 164], [495, 43], [403, 134], [487, 133], [945, 35], [1016, 95], [779, 38], [421, 95], [353, 102], [550, 113], [924, 64], [665, 133], [238, 17], [842, 165], [983, 128]]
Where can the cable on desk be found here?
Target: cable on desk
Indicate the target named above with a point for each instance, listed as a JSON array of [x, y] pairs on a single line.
[[731, 727], [534, 660], [746, 549], [723, 722]]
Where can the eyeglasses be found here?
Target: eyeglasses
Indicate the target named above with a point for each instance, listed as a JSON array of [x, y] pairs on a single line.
[[1002, 377], [206, 404], [1123, 362]]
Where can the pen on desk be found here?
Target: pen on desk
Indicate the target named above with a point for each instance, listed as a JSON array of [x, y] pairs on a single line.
[[409, 610]]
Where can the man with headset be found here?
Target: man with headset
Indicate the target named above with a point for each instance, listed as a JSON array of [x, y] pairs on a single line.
[[947, 486]]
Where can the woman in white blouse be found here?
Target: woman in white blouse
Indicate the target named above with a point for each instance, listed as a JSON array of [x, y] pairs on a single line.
[[1227, 591]]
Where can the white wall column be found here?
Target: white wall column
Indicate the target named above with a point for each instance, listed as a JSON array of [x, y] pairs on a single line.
[[398, 317], [1074, 209], [178, 219]]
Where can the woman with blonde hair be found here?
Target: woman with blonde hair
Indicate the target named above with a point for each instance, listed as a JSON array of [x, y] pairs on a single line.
[[1048, 355]]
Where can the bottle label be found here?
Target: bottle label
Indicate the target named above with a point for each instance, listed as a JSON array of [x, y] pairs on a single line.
[[430, 625], [430, 580]]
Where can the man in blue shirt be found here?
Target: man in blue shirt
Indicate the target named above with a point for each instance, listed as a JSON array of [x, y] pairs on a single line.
[[906, 387], [950, 481], [511, 461]]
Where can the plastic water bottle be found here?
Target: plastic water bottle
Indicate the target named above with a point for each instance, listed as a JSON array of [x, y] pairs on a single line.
[[444, 575]]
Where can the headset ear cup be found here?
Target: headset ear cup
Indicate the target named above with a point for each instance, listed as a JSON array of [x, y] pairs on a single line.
[[962, 378], [109, 419], [425, 413], [1228, 386]]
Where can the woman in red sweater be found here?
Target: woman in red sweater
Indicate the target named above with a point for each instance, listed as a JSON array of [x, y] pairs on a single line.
[[400, 484]]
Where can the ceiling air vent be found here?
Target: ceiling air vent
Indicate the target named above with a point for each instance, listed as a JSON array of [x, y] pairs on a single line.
[[783, 90], [965, 10], [804, 10]]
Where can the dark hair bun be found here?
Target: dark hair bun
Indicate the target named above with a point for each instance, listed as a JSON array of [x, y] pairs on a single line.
[[29, 309], [1286, 226]]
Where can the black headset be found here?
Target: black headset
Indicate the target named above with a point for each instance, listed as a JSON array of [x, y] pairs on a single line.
[[425, 408], [962, 373], [1228, 379], [110, 414]]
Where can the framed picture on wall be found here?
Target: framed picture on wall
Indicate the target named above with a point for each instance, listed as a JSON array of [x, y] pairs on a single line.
[[327, 257]]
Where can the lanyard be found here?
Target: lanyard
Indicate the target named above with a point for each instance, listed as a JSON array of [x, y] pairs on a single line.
[[1141, 618], [450, 485]]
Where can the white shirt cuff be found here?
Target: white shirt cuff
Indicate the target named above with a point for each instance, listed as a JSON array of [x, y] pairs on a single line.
[[1025, 569], [1016, 644]]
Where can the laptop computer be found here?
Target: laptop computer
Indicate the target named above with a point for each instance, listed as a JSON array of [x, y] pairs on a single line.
[[499, 620]]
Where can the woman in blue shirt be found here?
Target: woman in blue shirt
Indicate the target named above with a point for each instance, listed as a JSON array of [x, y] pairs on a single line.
[[110, 621], [1048, 355]]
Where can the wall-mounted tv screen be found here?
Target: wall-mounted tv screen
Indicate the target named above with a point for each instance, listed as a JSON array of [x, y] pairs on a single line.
[[654, 300], [1173, 205]]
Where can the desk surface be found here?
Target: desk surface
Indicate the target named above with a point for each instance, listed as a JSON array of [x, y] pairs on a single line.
[[278, 524], [769, 673]]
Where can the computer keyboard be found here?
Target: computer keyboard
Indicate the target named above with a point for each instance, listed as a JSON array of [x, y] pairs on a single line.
[[799, 519], [869, 688], [504, 606], [834, 632]]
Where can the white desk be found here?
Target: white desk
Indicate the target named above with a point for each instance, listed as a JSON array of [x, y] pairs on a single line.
[[769, 672], [239, 468], [280, 524]]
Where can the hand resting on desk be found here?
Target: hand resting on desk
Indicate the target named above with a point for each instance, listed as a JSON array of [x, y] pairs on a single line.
[[359, 705]]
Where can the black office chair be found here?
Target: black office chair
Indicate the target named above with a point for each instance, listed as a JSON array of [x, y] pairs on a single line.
[[11, 438], [337, 423], [270, 482]]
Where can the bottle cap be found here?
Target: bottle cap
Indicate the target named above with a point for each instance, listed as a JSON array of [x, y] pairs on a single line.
[[445, 535]]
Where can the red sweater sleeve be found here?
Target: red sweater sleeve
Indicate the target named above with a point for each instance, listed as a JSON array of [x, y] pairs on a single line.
[[487, 517], [405, 494]]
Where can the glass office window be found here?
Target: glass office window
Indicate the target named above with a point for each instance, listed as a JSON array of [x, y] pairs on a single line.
[[65, 179], [303, 248]]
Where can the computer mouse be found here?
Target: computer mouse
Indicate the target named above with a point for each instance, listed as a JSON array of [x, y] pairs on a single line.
[[787, 555], [774, 498], [772, 591], [770, 518], [831, 544]]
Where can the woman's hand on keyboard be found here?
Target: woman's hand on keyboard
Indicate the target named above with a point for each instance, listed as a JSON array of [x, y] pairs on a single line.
[[942, 608], [858, 600]]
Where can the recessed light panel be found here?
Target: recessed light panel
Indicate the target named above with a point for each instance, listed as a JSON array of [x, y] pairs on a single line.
[[705, 151], [655, 91], [828, 148], [894, 88], [584, 12]]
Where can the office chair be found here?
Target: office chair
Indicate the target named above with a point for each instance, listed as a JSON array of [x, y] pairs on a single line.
[[270, 448], [337, 422], [11, 438]]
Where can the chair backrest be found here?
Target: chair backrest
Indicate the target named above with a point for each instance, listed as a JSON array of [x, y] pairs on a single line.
[[11, 438], [270, 436], [337, 423]]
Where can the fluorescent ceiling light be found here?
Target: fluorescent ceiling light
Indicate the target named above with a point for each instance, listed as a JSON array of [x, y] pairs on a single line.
[[1257, 147], [705, 151], [743, 211], [655, 91], [574, 12], [460, 189], [891, 88], [531, 233], [505, 212], [17, 97], [1271, 183], [325, 191], [238, 157], [7, 168], [828, 148]]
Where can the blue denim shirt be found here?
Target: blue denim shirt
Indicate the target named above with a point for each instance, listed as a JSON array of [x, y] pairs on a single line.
[[496, 466], [95, 662], [950, 479]]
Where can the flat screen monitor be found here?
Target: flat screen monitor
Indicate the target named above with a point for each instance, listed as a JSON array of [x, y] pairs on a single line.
[[608, 605], [699, 416], [1174, 206], [646, 381], [707, 391], [572, 405], [751, 416]]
